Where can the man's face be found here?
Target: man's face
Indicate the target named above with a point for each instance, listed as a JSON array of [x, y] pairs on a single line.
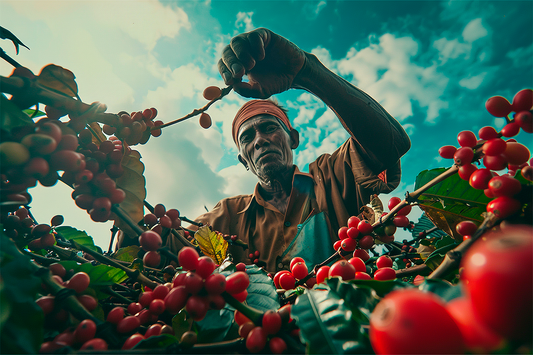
[[265, 146]]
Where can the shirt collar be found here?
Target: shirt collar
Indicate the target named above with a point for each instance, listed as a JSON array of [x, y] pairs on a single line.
[[256, 197]]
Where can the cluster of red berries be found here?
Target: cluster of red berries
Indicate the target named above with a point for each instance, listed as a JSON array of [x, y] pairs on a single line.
[[135, 128], [19, 225], [355, 269], [162, 218], [200, 289], [97, 196], [82, 336], [258, 336], [36, 153], [497, 154], [286, 279]]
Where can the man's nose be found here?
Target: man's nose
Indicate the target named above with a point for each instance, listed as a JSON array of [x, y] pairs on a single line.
[[260, 140]]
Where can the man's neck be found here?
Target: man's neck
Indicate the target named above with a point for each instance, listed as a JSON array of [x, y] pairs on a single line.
[[277, 190]]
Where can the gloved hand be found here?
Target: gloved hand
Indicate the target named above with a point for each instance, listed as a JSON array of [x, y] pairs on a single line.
[[270, 61]]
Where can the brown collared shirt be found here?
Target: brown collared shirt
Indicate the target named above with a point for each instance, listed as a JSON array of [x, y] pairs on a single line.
[[342, 183]]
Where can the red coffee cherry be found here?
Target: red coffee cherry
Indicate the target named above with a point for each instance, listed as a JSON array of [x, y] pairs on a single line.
[[256, 340], [237, 282], [343, 269], [271, 322], [85, 331], [188, 258]]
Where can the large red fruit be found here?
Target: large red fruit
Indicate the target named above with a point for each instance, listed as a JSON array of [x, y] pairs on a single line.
[[399, 325], [498, 277], [478, 338]]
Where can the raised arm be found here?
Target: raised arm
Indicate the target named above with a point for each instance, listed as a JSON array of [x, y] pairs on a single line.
[[273, 64]]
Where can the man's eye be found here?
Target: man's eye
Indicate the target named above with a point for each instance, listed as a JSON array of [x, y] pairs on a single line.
[[271, 128]]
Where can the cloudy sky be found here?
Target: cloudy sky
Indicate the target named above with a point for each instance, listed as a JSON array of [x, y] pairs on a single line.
[[431, 64]]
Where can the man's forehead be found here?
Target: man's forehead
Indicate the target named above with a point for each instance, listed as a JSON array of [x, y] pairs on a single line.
[[256, 120]]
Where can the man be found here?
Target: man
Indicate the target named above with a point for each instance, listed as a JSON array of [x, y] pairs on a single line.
[[292, 213]]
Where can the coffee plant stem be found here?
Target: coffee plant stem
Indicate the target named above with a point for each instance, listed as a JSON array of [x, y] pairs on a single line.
[[8, 59], [251, 313], [295, 346], [453, 258], [195, 112], [115, 294], [134, 274], [43, 260], [411, 197], [29, 88], [312, 273], [413, 270], [235, 346], [70, 303], [167, 253], [124, 216], [65, 254]]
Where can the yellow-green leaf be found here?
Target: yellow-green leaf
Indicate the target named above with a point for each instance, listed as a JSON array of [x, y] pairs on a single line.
[[212, 243], [134, 184], [58, 79]]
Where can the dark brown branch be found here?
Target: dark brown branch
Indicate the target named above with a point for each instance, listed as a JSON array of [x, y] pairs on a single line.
[[453, 258]]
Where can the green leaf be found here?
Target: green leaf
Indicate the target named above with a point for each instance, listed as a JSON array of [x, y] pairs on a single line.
[[11, 116], [359, 297], [262, 294], [382, 287], [101, 275], [80, 237], [157, 342], [442, 288], [445, 241], [127, 254], [435, 258], [450, 201], [181, 323], [327, 326], [33, 113], [216, 325], [424, 224], [6, 34], [24, 329], [58, 79]]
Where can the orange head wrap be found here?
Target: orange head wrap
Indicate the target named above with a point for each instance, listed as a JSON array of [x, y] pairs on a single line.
[[257, 107]]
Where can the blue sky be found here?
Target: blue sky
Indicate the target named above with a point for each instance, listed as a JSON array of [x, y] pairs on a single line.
[[431, 64]]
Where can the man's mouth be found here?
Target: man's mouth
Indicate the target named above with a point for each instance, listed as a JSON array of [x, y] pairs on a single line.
[[265, 154]]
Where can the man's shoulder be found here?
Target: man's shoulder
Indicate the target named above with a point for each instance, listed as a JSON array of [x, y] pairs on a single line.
[[239, 201]]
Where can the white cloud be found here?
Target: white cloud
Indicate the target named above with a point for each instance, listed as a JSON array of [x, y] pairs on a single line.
[[474, 30], [244, 22], [313, 9], [387, 70], [238, 181], [472, 82], [451, 49], [409, 128]]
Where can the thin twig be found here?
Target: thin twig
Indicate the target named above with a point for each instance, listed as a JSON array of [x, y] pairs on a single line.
[[195, 112]]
